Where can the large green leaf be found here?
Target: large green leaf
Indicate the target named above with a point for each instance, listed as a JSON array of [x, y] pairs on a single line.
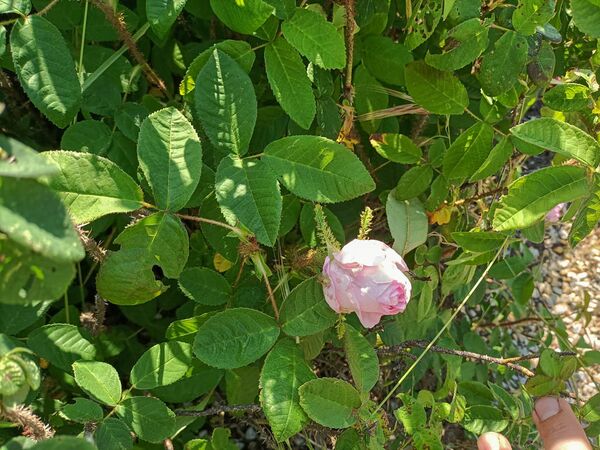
[[226, 103], [469, 40], [396, 147], [530, 14], [82, 410], [240, 51], [99, 380], [15, 318], [479, 242], [289, 82], [468, 152], [560, 137], [33, 216], [408, 223], [318, 169], [18, 160], [413, 182], [161, 364], [205, 286], [235, 338], [567, 97], [46, 69], [148, 417], [330, 402], [495, 160], [126, 277], [501, 66], [385, 59], [423, 22], [305, 311], [530, 197], [244, 17], [283, 372], [170, 156], [248, 193], [362, 359], [61, 345], [162, 14], [92, 186], [586, 15], [436, 91], [113, 434], [316, 38], [588, 215], [91, 136], [27, 277]]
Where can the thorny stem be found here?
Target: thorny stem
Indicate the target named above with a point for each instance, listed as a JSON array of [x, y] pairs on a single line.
[[477, 357], [461, 201], [210, 221], [349, 32], [41, 12]]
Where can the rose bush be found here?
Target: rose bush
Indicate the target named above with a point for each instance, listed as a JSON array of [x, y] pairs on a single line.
[[181, 184]]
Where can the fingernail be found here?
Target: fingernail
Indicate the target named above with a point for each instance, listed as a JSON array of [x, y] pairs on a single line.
[[547, 407], [493, 442]]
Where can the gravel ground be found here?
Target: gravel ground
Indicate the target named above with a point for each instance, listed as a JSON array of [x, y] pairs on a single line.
[[568, 274]]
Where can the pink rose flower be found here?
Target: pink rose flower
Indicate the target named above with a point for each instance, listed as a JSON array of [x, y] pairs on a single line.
[[366, 277], [555, 213]]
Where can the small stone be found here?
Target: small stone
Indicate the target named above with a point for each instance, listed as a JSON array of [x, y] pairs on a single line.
[[250, 434], [563, 234], [559, 249]]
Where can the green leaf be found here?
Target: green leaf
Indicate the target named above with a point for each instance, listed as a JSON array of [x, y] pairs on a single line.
[[330, 402], [162, 14], [22, 7], [161, 364], [550, 363], [396, 147], [126, 277], [61, 345], [501, 66], [318, 169], [34, 217], [362, 359], [530, 197], [316, 38], [507, 400], [248, 193], [148, 417], [424, 20], [495, 160], [46, 69], [92, 186], [588, 215], [289, 82], [567, 97], [205, 286], [591, 410], [99, 380], [560, 137], [412, 414], [468, 39], [240, 51], [476, 393], [199, 380], [283, 372], [413, 182], [408, 223], [385, 59], [586, 15], [305, 312], [82, 411], [479, 241], [467, 153], [244, 17], [542, 385], [15, 318], [63, 443], [235, 337], [483, 418], [226, 104], [26, 277], [113, 434], [129, 118], [90, 136], [241, 385], [531, 14], [20, 161], [436, 91], [170, 156]]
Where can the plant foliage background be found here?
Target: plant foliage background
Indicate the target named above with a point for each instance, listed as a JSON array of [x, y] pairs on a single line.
[[169, 171]]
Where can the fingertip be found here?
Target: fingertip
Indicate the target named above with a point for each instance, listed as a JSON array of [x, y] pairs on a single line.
[[493, 441], [558, 426]]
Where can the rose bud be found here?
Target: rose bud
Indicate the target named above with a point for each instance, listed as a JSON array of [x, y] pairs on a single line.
[[366, 277]]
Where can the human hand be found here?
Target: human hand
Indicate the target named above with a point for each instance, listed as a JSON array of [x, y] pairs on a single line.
[[556, 423]]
